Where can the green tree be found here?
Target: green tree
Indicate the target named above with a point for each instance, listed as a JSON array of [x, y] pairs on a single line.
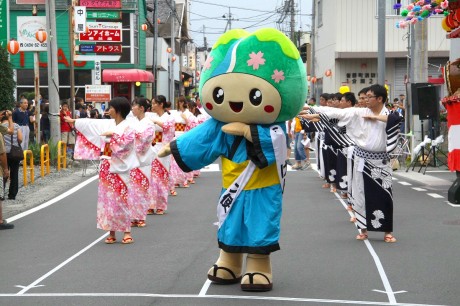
[[8, 85]]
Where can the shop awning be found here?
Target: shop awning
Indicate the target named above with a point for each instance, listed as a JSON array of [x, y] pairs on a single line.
[[126, 76]]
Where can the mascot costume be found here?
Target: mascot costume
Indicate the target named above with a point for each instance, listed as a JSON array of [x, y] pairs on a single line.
[[250, 85]]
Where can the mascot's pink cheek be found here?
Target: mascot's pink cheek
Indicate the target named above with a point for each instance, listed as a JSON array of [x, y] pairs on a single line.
[[209, 106], [269, 109]]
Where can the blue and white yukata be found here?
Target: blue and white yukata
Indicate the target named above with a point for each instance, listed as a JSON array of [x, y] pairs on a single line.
[[250, 204]]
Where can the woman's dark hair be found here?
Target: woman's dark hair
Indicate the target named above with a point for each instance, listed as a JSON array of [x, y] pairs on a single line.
[[192, 105], [184, 100], [160, 99], [145, 103], [94, 114], [121, 105]]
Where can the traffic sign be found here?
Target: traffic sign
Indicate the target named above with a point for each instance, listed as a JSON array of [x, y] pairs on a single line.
[[101, 4], [116, 15], [98, 93], [102, 31]]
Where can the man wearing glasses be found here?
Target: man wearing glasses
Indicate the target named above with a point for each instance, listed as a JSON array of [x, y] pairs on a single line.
[[374, 131]]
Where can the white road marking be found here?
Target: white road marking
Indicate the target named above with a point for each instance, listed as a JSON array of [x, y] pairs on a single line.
[[205, 288], [378, 263], [405, 183], [52, 201], [418, 189], [435, 195], [36, 282], [394, 179], [19, 286], [234, 297], [211, 168], [452, 204], [396, 292]]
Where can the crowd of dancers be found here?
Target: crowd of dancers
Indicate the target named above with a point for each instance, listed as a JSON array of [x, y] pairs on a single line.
[[133, 180], [354, 138]]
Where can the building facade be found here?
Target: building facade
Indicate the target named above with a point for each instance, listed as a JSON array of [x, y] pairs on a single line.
[[345, 42]]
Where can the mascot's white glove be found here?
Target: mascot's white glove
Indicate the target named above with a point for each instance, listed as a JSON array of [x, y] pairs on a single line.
[[238, 129], [165, 151]]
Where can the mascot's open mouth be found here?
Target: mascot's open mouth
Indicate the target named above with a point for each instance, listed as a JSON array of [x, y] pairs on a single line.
[[236, 106]]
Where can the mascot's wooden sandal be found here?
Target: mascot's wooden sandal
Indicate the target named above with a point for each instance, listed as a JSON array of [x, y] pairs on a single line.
[[225, 281], [389, 238], [256, 287]]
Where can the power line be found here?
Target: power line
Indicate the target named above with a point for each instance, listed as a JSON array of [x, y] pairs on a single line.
[[233, 7]]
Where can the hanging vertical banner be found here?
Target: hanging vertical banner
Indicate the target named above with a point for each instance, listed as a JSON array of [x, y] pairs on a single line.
[[4, 22], [97, 73], [79, 16]]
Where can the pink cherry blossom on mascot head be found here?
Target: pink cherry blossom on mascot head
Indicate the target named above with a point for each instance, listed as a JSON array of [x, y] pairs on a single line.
[[255, 78]]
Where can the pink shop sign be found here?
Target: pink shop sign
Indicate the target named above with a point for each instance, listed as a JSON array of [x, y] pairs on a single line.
[[101, 4]]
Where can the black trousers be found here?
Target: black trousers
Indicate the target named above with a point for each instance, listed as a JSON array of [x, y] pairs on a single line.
[[13, 166]]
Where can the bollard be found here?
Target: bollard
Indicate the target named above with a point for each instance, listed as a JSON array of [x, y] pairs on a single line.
[[62, 155], [44, 160], [30, 166]]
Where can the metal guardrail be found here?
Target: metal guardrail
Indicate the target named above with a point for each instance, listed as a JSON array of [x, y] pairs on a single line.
[[44, 160], [30, 166]]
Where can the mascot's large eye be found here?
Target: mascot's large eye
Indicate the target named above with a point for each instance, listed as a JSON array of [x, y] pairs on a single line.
[[255, 96], [218, 95]]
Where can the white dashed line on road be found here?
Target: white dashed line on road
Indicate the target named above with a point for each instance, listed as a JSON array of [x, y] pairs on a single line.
[[418, 189], [405, 183], [435, 195]]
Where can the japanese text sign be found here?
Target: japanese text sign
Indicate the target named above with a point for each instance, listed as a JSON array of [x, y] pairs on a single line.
[[101, 4]]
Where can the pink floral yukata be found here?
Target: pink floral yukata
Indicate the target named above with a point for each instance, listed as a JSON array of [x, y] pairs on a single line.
[[139, 191], [159, 184], [113, 211]]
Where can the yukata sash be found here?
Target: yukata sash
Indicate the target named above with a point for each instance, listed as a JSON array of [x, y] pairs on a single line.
[[228, 197]]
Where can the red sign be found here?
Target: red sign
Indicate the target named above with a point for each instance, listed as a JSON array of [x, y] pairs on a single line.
[[101, 35], [107, 49], [101, 4]]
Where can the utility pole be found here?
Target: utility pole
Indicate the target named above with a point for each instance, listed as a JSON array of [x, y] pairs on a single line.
[[205, 43], [37, 83], [173, 52], [313, 46], [72, 56], [53, 74], [155, 47], [229, 20], [381, 43], [292, 21]]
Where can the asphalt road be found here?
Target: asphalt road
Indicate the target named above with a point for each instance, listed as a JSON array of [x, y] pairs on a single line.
[[56, 256]]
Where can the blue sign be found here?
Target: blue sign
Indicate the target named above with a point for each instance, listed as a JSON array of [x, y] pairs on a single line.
[[87, 48]]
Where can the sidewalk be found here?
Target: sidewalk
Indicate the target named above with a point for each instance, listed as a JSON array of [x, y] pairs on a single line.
[[46, 188]]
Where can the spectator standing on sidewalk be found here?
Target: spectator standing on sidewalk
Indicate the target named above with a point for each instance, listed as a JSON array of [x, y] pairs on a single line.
[[45, 125], [21, 116], [67, 133], [13, 165], [4, 173]]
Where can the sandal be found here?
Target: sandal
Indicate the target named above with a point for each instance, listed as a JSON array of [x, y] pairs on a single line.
[[150, 212], [185, 185], [333, 190], [141, 223], [173, 192], [256, 287], [127, 240], [361, 237], [349, 208], [134, 223], [214, 278], [159, 212], [327, 185], [344, 196], [353, 219], [389, 238], [110, 240]]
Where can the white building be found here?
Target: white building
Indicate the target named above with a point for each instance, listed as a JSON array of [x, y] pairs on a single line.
[[346, 43]]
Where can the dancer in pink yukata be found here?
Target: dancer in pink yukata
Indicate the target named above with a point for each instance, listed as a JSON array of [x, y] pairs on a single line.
[[139, 193], [159, 184], [119, 157]]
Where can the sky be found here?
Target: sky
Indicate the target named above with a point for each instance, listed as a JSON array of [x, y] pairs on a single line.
[[246, 14]]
